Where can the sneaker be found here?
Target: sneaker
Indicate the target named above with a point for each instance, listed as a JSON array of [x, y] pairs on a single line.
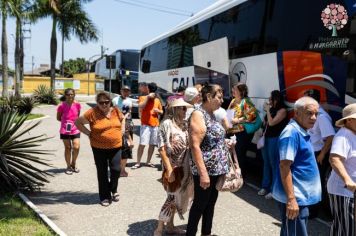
[[262, 192], [269, 196], [115, 197]]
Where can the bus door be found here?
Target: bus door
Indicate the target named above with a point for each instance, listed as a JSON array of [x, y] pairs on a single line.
[[211, 64]]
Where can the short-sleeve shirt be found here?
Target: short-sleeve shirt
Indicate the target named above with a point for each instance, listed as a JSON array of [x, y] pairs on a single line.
[[213, 148], [105, 132], [70, 112], [344, 144], [295, 146], [148, 117], [124, 105], [322, 129]]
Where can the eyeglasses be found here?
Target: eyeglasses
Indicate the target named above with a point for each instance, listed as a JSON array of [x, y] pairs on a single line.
[[104, 102], [70, 94]]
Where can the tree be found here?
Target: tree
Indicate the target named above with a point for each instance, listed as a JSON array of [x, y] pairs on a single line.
[[70, 18], [6, 6], [73, 66]]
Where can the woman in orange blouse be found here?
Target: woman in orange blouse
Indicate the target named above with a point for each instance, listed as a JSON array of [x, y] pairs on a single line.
[[245, 111], [106, 129]]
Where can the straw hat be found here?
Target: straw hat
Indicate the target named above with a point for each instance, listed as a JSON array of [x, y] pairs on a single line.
[[348, 112], [179, 102]]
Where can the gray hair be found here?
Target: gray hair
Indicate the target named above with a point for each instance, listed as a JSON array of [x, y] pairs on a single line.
[[304, 101]]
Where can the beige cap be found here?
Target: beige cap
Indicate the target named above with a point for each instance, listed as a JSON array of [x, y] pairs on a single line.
[[348, 112]]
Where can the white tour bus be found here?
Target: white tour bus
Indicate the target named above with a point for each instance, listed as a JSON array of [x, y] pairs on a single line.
[[291, 46]]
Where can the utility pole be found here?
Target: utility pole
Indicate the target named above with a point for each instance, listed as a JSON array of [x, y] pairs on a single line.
[[32, 63]]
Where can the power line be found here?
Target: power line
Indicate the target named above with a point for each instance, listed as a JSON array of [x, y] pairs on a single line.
[[169, 8], [154, 8]]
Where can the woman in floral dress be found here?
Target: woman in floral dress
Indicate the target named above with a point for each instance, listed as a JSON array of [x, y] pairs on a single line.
[[177, 180]]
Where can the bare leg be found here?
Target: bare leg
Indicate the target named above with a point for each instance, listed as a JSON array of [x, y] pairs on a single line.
[[67, 151], [75, 151], [140, 150], [151, 148], [123, 165], [159, 229]]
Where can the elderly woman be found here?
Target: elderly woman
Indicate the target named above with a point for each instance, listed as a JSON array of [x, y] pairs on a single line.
[[209, 158], [245, 111], [342, 182], [177, 180], [106, 129]]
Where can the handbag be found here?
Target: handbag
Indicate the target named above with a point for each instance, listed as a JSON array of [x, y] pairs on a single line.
[[252, 127], [231, 181], [261, 141], [178, 176]]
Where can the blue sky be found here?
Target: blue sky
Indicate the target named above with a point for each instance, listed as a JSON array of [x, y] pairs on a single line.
[[122, 27]]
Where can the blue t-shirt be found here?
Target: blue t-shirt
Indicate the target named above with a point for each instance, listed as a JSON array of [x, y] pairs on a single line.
[[295, 145]]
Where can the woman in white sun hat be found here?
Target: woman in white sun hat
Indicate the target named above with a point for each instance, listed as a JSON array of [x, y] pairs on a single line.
[[342, 182], [177, 180]]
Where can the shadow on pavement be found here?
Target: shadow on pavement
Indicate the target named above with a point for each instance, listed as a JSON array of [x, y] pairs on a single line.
[[78, 198], [142, 228]]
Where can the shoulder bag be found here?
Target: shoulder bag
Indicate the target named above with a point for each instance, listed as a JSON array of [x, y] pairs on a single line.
[[231, 181], [261, 141]]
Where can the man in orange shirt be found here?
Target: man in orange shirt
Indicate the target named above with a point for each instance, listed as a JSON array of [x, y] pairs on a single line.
[[151, 108]]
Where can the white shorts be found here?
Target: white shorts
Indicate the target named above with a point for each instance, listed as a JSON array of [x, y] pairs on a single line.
[[148, 135]]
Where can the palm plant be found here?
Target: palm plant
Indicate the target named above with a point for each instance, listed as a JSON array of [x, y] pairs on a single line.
[[19, 155], [70, 18], [6, 6]]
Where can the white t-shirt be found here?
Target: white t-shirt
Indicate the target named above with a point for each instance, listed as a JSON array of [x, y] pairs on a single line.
[[220, 114], [344, 144], [322, 129], [124, 105]]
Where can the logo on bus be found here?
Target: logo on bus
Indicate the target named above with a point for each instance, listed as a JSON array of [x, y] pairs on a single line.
[[238, 73], [334, 17], [173, 72]]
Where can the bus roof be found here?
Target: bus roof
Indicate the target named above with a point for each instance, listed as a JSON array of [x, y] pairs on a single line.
[[212, 10]]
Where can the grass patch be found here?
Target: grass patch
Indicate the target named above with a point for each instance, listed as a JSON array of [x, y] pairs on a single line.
[[31, 116], [17, 219]]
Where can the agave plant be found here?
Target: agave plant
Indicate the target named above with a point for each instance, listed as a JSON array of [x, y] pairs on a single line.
[[20, 157], [26, 105], [44, 94]]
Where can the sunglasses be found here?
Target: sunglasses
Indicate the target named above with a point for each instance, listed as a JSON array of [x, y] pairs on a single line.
[[183, 108], [104, 102], [69, 94]]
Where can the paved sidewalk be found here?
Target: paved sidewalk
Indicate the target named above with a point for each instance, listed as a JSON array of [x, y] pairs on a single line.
[[71, 201]]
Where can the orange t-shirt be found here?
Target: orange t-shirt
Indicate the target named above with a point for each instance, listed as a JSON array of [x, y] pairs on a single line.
[[148, 117], [105, 132]]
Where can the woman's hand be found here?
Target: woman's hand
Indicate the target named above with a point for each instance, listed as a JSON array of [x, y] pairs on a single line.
[[266, 106], [351, 186], [204, 181], [235, 121], [170, 175]]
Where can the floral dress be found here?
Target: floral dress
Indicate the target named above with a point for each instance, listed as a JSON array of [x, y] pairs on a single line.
[[175, 141], [213, 147]]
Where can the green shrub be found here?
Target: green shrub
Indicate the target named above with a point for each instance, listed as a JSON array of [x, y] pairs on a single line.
[[26, 104], [43, 94]]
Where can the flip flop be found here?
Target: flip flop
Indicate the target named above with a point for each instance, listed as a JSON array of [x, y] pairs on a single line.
[[69, 171], [135, 166], [151, 165]]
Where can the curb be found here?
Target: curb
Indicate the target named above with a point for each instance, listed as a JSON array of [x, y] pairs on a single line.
[[43, 217]]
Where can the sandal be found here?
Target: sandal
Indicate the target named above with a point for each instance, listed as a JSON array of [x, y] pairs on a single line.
[[105, 203], [136, 166], [75, 169], [115, 197], [69, 171], [151, 165]]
